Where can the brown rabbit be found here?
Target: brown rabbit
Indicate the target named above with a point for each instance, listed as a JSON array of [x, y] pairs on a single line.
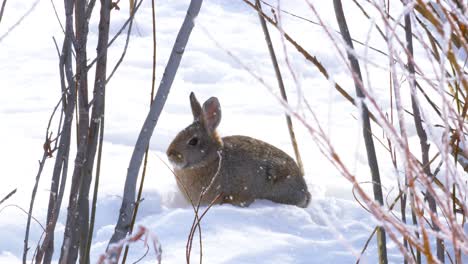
[[239, 168]]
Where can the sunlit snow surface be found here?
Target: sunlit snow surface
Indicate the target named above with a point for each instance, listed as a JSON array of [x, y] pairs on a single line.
[[333, 229]]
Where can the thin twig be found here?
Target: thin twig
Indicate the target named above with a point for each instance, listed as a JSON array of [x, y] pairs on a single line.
[[318, 24], [57, 16], [129, 193], [119, 32], [279, 78], [96, 189], [399, 196], [419, 127], [197, 224], [196, 220], [95, 129], [31, 205], [48, 151], [367, 244], [124, 52], [33, 6], [2, 9], [369, 143], [8, 196], [307, 56], [141, 258], [60, 171], [77, 225], [185, 191], [25, 212], [143, 175]]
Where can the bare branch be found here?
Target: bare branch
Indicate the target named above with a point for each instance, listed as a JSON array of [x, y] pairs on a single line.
[[306, 55], [25, 212], [128, 202], [31, 206], [8, 196], [117, 34], [33, 6], [60, 171], [77, 215], [96, 125], [122, 56], [2, 9], [145, 162], [419, 127], [279, 78], [366, 126], [48, 151]]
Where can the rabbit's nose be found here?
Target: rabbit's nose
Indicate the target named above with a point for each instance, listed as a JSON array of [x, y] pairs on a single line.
[[174, 155], [171, 153]]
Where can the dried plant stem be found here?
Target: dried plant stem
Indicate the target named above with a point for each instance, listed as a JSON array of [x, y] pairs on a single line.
[[192, 203], [2, 9], [7, 196], [318, 65], [118, 33], [20, 20], [95, 191], [419, 128], [409, 173], [48, 151], [132, 3], [318, 24], [129, 193], [95, 126], [60, 171], [31, 206], [279, 78], [196, 225], [401, 196], [145, 162], [77, 218], [393, 226], [197, 219], [124, 52], [367, 130]]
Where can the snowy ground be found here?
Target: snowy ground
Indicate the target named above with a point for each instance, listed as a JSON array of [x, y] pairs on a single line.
[[333, 229]]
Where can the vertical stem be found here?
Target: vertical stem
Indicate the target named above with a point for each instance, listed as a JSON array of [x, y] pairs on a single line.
[[415, 223], [153, 83], [31, 206], [7, 196], [132, 4], [95, 193], [95, 126], [366, 126], [403, 219], [280, 85], [420, 130], [128, 201], [2, 9], [77, 218], [60, 172]]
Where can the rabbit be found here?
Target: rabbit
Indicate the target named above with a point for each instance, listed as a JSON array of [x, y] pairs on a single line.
[[232, 169]]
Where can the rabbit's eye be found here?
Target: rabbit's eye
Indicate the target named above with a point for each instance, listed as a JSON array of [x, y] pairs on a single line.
[[193, 141]]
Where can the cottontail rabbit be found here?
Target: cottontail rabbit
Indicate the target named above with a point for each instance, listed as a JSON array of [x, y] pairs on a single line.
[[239, 168]]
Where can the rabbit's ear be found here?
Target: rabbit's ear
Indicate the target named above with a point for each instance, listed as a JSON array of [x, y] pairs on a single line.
[[196, 108], [211, 114]]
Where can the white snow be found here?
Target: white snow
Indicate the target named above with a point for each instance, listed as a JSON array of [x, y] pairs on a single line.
[[333, 229]]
